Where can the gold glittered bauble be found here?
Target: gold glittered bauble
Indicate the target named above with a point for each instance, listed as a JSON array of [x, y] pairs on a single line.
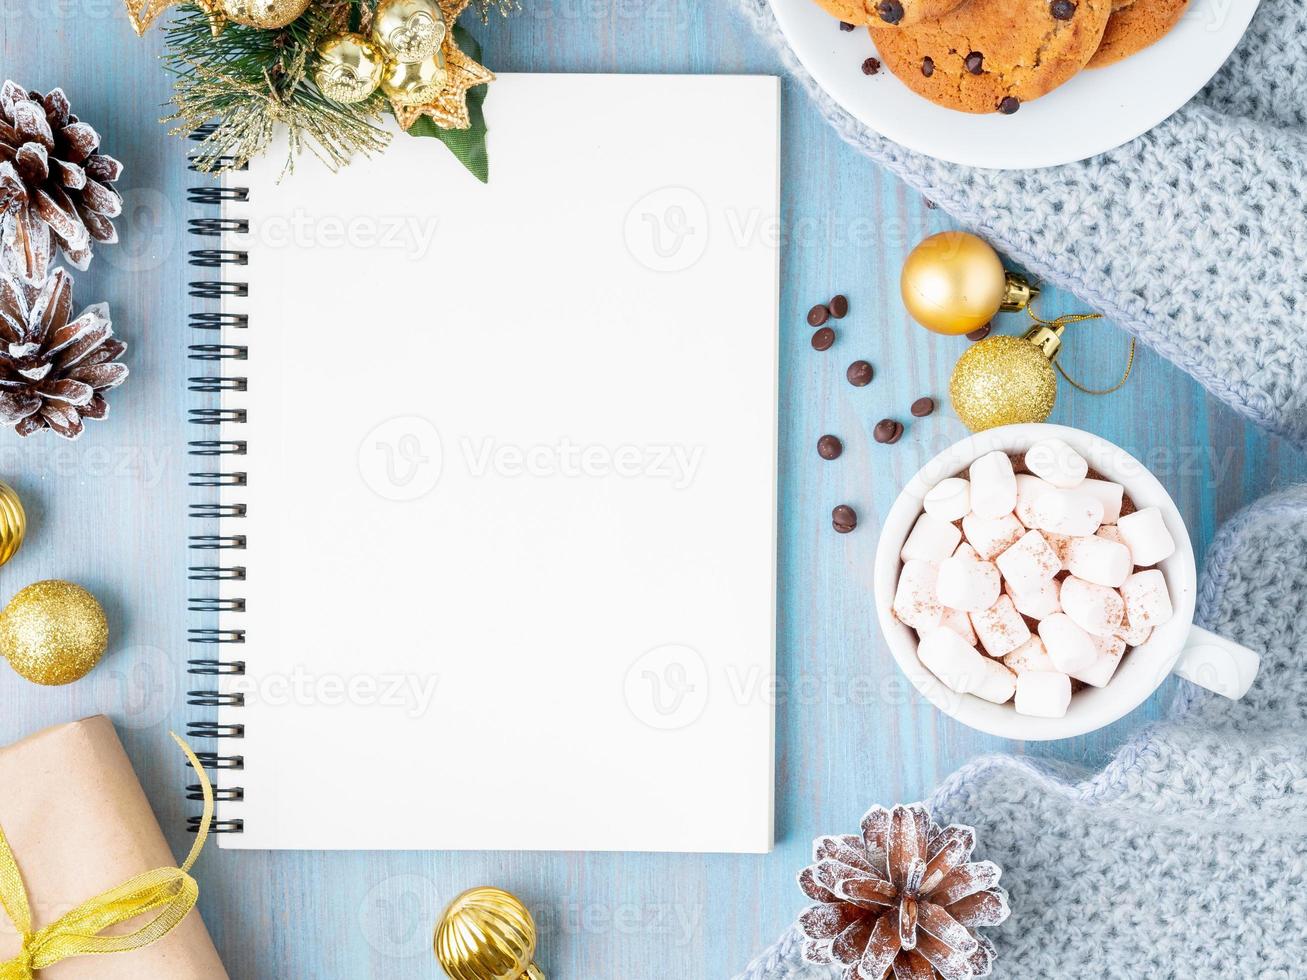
[[349, 68], [487, 934], [954, 282], [53, 632], [408, 30], [13, 522], [415, 83], [267, 14], [1003, 380]]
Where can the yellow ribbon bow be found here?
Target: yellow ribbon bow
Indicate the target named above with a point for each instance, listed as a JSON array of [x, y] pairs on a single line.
[[170, 892]]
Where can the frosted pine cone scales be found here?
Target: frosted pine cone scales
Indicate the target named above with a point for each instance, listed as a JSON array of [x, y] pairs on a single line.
[[903, 899], [54, 369], [55, 185]]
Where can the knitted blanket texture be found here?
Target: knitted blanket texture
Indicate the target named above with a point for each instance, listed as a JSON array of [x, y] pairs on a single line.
[[1184, 857], [1193, 237]]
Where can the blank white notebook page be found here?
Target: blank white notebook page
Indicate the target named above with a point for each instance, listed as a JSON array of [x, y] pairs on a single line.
[[510, 506]]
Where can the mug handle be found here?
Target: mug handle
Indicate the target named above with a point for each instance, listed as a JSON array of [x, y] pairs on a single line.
[[1217, 664]]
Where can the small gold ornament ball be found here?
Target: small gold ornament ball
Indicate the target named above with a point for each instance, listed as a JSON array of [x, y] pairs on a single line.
[[268, 14], [487, 934], [1000, 381], [953, 282], [408, 30], [53, 632], [13, 522], [349, 68], [415, 83]]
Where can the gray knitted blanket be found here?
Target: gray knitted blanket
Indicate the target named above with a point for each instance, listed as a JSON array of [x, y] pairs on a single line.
[[1193, 237], [1184, 857]]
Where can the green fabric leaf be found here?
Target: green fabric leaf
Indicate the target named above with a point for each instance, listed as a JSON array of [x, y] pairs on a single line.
[[468, 145]]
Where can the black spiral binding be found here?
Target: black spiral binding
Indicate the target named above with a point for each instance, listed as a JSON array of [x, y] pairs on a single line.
[[215, 363]]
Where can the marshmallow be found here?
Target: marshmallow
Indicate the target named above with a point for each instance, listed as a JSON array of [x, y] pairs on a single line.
[[1031, 655], [1036, 603], [992, 536], [1056, 462], [1068, 512], [1147, 601], [967, 585], [1000, 628], [950, 658], [1096, 609], [1109, 493], [1111, 532], [915, 602], [1029, 489], [949, 500], [1146, 536], [1133, 635], [960, 623], [966, 551], [1098, 560], [1069, 647], [931, 540], [1097, 674], [1030, 562], [993, 682], [993, 485], [1043, 694], [1061, 545]]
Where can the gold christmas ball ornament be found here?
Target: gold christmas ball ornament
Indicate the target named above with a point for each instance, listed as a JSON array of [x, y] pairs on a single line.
[[415, 83], [1003, 380], [408, 30], [954, 283], [349, 68], [53, 632], [487, 934], [13, 522], [267, 14]]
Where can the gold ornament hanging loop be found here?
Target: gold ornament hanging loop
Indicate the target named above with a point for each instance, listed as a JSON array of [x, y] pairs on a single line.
[[1056, 326]]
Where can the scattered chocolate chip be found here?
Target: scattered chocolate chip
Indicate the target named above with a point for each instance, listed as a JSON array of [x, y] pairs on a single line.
[[843, 518], [1062, 9], [839, 306], [870, 66], [888, 431], [974, 62], [1009, 105], [891, 11], [931, 205], [928, 66], [845, 26], [823, 339], [859, 374], [829, 447], [818, 315], [923, 407], [980, 333]]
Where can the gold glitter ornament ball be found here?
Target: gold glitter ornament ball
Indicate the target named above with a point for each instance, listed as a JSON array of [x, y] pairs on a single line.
[[1001, 381], [408, 30], [349, 68], [13, 522], [53, 632], [487, 934], [267, 14]]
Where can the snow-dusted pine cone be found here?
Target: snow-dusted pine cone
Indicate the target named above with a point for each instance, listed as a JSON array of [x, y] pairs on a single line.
[[54, 184], [902, 899], [54, 370]]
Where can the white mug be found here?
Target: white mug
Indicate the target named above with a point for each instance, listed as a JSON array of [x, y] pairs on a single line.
[[1177, 647]]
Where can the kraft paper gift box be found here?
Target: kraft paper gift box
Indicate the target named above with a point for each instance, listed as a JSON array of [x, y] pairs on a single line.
[[78, 823]]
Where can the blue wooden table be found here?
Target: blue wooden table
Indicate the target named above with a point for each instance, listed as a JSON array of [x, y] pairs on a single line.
[[109, 511]]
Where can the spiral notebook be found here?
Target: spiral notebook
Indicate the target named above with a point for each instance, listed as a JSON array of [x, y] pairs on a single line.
[[485, 554]]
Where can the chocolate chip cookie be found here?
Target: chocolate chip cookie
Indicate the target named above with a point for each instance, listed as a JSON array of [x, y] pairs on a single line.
[[888, 13], [994, 55], [1133, 28]]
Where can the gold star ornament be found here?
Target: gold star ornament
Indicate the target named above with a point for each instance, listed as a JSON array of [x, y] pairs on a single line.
[[438, 85]]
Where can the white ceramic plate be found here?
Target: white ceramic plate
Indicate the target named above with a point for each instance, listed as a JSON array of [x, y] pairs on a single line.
[[1096, 111]]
